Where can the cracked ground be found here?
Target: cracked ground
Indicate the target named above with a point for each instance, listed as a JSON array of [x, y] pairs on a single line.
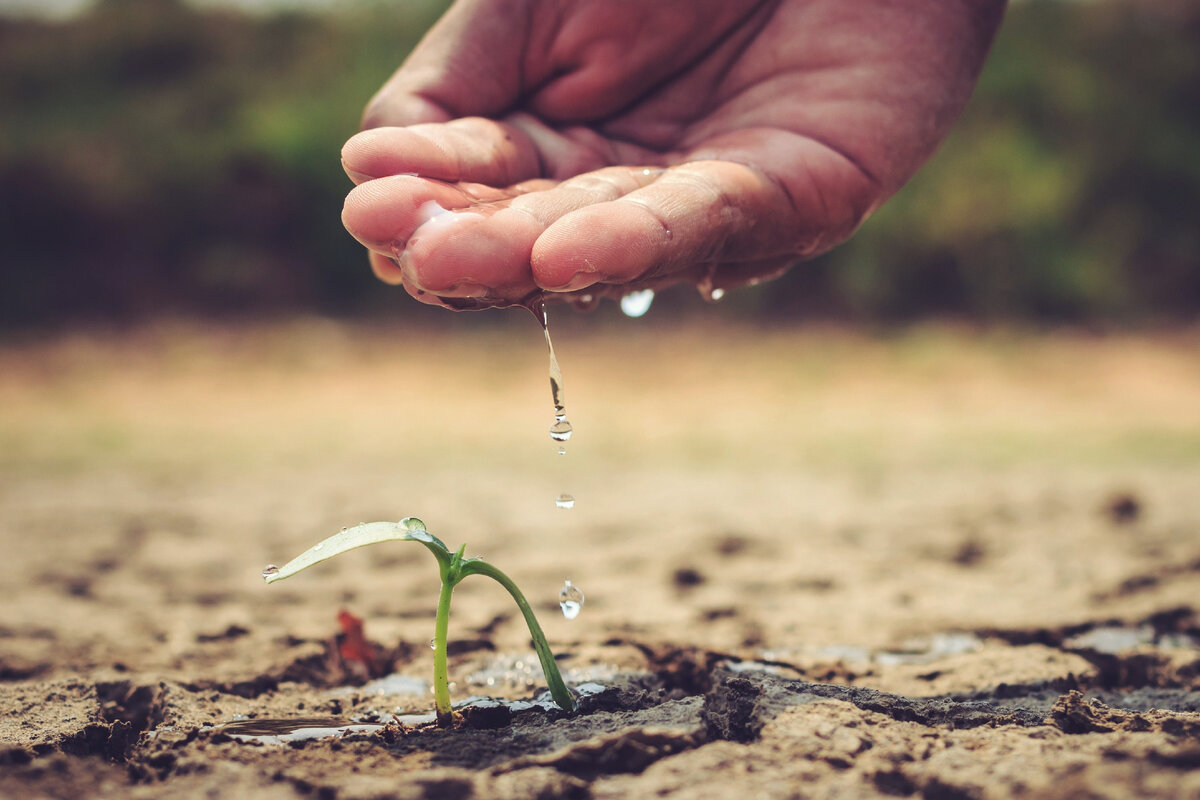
[[940, 564]]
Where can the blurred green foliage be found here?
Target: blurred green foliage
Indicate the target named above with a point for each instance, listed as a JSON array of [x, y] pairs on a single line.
[[155, 159]]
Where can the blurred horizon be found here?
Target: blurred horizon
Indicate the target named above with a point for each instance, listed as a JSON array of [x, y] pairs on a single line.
[[164, 158]]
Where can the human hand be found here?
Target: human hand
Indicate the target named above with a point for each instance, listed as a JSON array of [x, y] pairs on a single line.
[[584, 147]]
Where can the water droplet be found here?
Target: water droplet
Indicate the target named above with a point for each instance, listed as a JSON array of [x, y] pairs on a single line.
[[565, 501], [318, 545], [707, 285], [344, 529], [570, 599], [416, 529], [635, 304], [561, 430], [586, 302], [562, 451], [433, 644], [269, 570]]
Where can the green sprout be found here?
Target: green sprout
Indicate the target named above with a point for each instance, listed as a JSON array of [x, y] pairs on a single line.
[[453, 568]]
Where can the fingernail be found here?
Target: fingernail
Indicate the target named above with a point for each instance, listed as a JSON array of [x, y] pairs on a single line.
[[580, 280], [356, 176]]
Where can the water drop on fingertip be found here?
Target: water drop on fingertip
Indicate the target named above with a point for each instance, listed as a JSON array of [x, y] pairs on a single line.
[[570, 600], [636, 304]]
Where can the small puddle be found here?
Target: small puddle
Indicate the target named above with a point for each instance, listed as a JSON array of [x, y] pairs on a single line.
[[920, 650], [1114, 639], [524, 673], [932, 648], [283, 731], [387, 685], [298, 729]]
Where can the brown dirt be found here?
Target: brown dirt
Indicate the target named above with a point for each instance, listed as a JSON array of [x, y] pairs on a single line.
[[940, 564]]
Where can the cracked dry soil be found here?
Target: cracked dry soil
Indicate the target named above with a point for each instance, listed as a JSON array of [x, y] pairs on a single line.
[[907, 623]]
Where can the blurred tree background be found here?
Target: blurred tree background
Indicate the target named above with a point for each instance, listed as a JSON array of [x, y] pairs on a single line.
[[156, 158]]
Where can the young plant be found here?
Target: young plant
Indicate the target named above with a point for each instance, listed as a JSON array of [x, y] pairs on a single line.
[[453, 568]]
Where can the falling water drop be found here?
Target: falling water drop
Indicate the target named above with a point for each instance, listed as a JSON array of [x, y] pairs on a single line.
[[707, 285], [562, 451], [635, 304], [565, 501], [561, 430], [570, 599], [269, 570]]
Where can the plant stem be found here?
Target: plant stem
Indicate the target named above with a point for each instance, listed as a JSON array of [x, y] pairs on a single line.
[[558, 688], [441, 675]]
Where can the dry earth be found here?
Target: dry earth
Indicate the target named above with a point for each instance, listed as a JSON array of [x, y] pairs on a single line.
[[938, 564]]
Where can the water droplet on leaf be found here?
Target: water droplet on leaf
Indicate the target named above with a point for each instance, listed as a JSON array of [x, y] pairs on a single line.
[[570, 599], [269, 570]]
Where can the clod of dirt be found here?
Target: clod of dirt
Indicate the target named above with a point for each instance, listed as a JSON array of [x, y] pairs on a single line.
[[969, 553], [1075, 714], [121, 713], [687, 578], [486, 715], [232, 632], [1123, 508]]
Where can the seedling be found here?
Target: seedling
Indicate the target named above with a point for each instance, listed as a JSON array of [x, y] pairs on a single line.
[[453, 568]]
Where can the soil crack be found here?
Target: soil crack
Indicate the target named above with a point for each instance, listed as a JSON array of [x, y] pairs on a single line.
[[740, 703]]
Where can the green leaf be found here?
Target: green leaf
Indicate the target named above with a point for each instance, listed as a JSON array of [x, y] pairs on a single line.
[[408, 529]]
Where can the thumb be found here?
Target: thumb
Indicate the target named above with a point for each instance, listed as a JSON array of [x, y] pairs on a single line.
[[468, 64]]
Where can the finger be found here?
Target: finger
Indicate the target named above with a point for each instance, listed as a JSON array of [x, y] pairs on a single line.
[[470, 149], [697, 212], [382, 214], [386, 269], [469, 62], [486, 250]]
